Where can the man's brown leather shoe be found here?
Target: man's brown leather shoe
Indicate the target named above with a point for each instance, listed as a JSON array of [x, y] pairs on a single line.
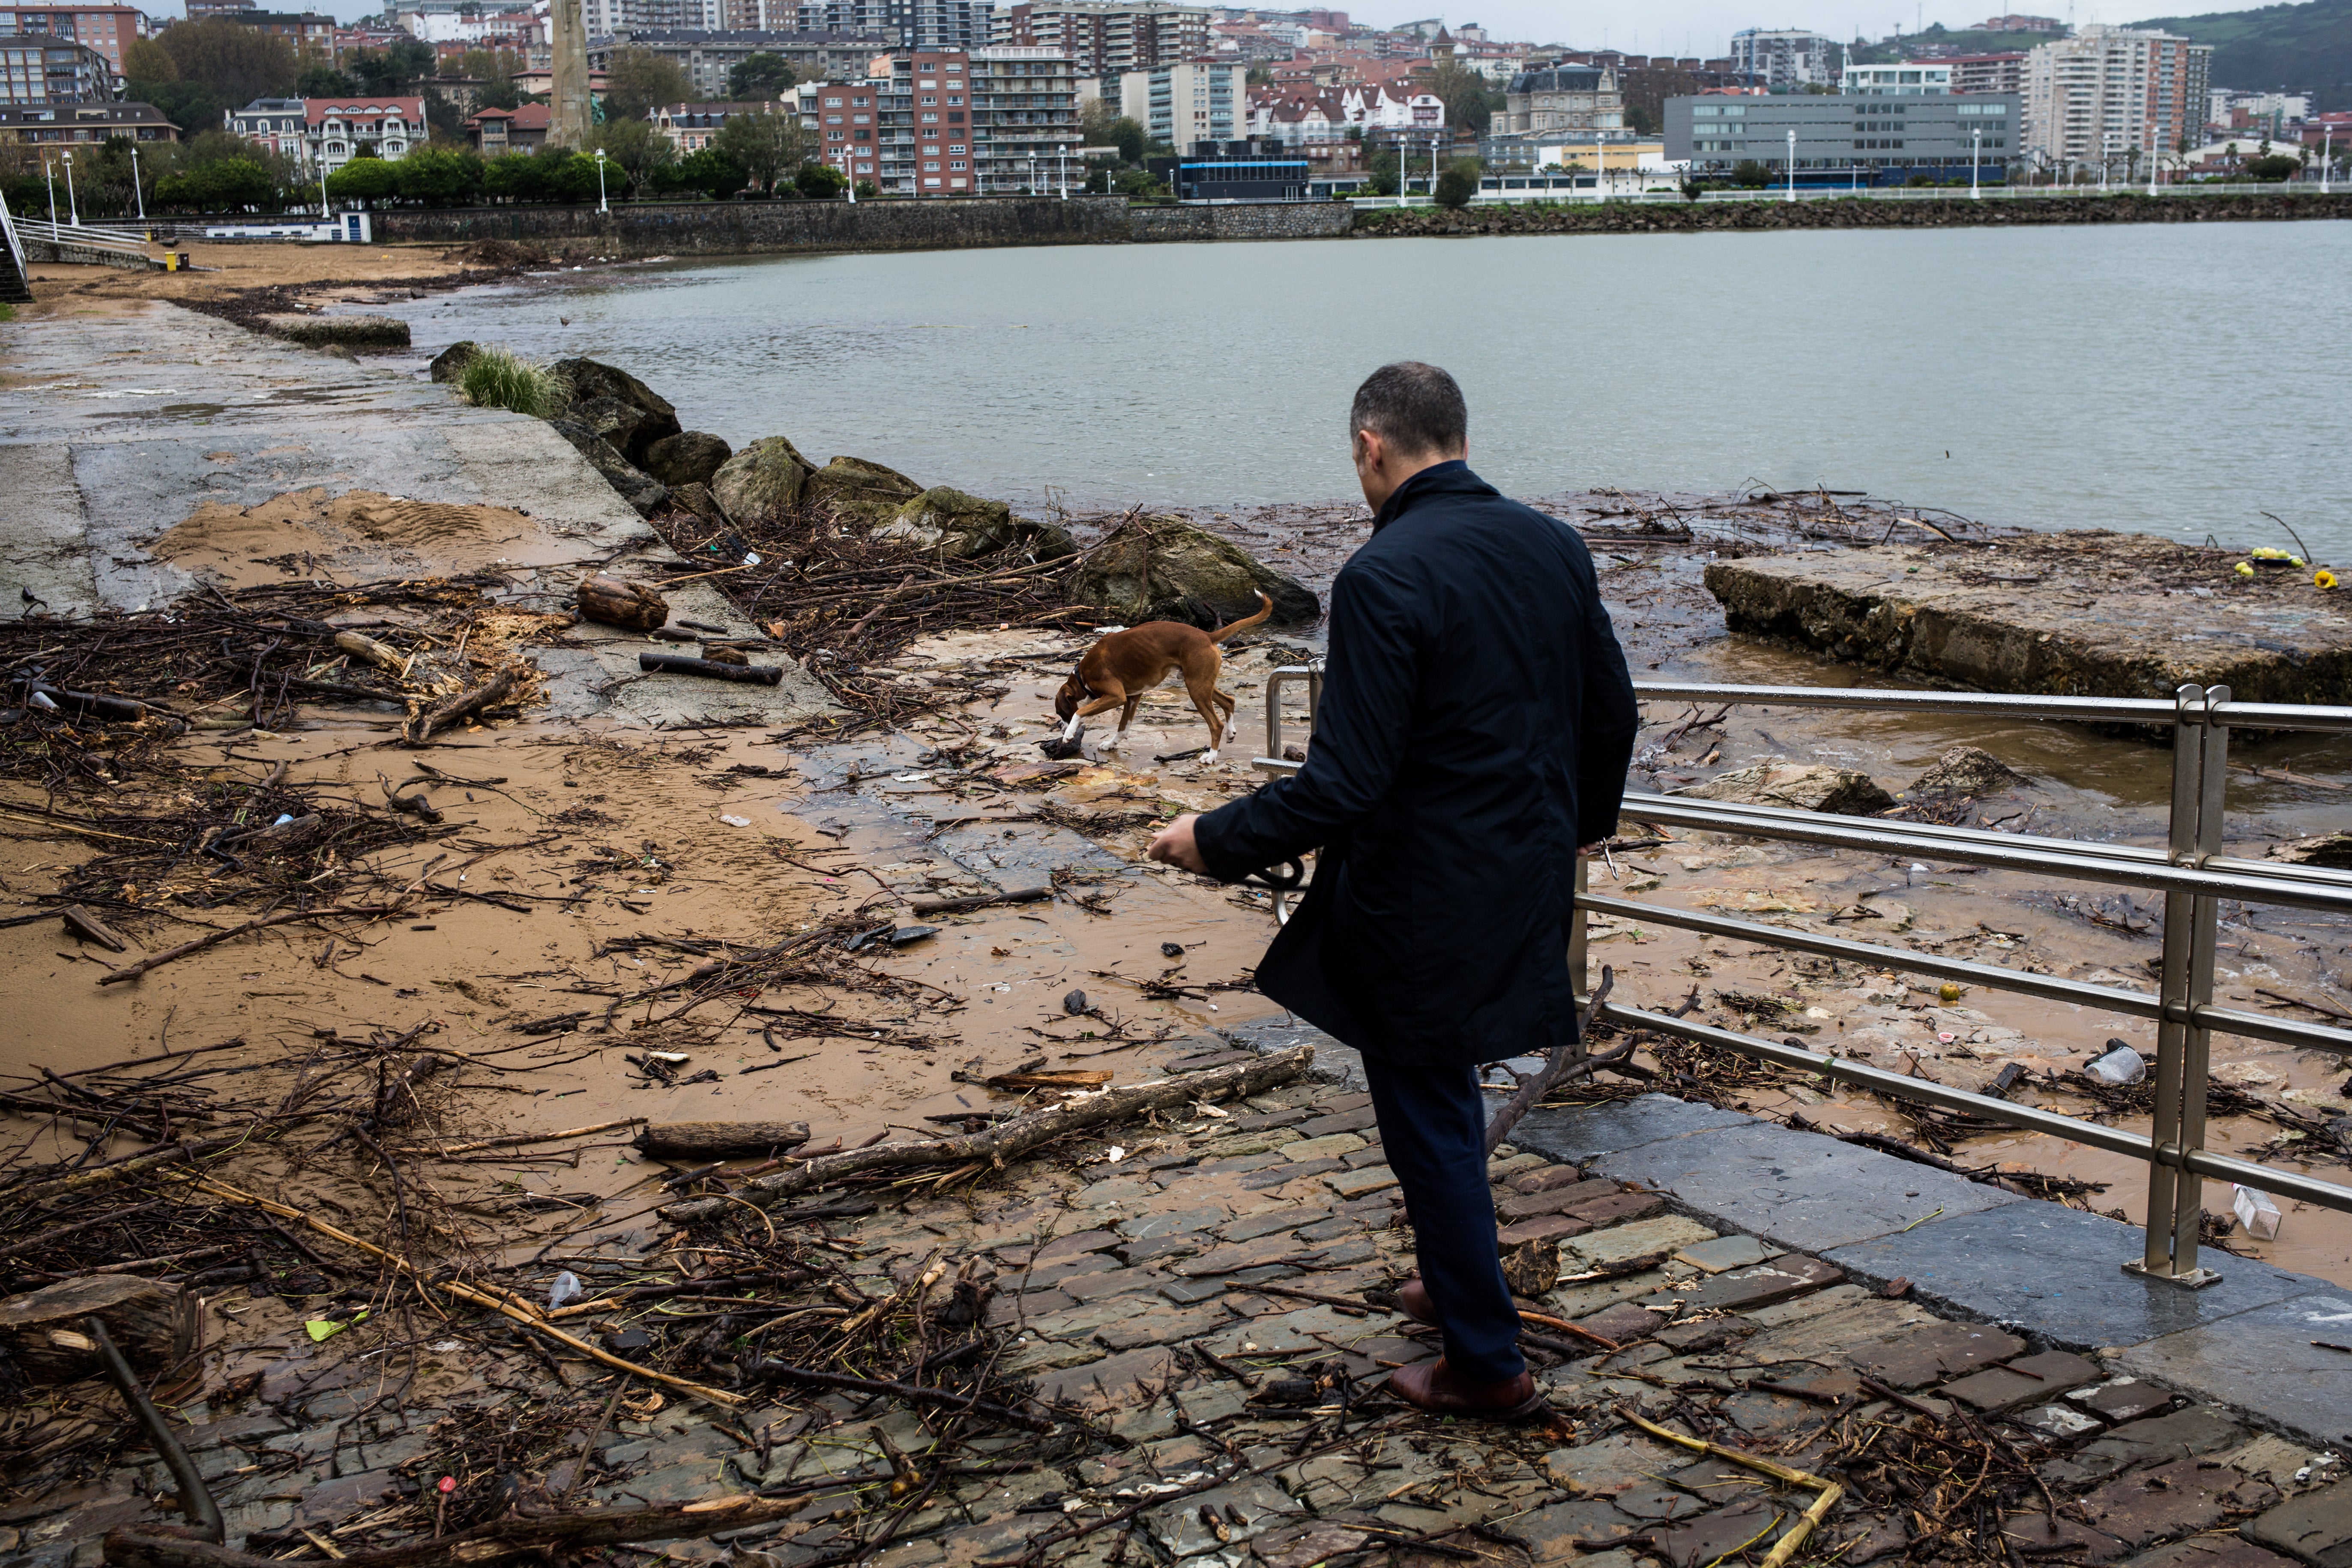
[[1413, 1297], [1432, 1386]]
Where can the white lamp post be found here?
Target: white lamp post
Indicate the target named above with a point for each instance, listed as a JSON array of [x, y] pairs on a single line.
[[2327, 153], [135, 189], [2106, 157], [1976, 160], [49, 171], [73, 209], [2155, 160], [1792, 164], [601, 204]]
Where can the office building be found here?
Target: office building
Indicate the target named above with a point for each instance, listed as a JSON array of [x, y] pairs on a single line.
[[1563, 98], [1847, 140], [2109, 91], [707, 57], [1182, 104], [1906, 79], [1104, 38], [109, 30], [53, 70], [1784, 58], [49, 123]]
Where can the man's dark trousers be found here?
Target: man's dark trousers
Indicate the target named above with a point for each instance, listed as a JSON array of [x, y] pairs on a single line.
[[1434, 1131]]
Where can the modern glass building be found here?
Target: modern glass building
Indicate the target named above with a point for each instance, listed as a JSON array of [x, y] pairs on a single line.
[[1848, 140]]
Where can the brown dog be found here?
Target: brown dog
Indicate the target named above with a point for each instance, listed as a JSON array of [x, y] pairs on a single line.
[[1118, 671]]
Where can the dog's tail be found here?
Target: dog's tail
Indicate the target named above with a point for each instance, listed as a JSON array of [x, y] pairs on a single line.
[[1265, 608]]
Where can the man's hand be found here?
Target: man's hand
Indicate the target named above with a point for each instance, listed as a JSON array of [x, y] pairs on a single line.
[[1173, 844]]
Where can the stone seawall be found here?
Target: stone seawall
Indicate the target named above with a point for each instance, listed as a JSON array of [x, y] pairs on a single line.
[[1285, 220], [1957, 212]]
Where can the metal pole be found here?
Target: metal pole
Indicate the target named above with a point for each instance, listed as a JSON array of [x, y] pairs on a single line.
[[601, 204], [2178, 1123], [50, 171], [135, 189], [2326, 152], [1580, 962], [1976, 158], [73, 207], [1792, 165]]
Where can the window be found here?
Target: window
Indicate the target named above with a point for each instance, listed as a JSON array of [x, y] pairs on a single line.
[[832, 103], [928, 84], [955, 97], [933, 184], [931, 100], [955, 164], [857, 103], [956, 149], [866, 136], [931, 120], [932, 168], [832, 119], [861, 120]]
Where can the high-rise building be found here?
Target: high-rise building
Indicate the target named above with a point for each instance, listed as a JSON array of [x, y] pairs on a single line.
[[1106, 38], [2002, 72], [1182, 104], [53, 70], [1785, 57], [109, 30], [2107, 92], [908, 23], [953, 122], [708, 57]]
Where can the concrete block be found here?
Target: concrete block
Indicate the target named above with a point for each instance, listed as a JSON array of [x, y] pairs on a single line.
[[1576, 1135], [2315, 1528]]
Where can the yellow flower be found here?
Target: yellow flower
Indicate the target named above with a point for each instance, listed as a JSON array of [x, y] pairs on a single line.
[[2273, 553], [2246, 568], [2323, 578]]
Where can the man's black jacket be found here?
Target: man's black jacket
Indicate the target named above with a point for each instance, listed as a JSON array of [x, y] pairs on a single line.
[[1475, 729]]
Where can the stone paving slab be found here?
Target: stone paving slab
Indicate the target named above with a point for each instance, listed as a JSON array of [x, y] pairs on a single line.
[[2058, 1272], [2262, 1359], [1798, 1190], [2315, 1528], [1575, 1135]]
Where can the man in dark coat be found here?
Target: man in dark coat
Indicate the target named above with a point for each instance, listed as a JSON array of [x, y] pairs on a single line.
[[1475, 729]]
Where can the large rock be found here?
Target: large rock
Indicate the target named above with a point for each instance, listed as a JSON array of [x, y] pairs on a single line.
[[1965, 770], [630, 429], [688, 458], [450, 363], [959, 525], [865, 492], [762, 480], [586, 378], [637, 486], [1803, 787], [697, 499], [1165, 569]]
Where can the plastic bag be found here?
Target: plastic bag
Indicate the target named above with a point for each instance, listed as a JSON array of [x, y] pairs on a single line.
[[566, 1285]]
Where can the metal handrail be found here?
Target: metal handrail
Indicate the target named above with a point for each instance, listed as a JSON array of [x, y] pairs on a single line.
[[16, 247], [2191, 871], [90, 238]]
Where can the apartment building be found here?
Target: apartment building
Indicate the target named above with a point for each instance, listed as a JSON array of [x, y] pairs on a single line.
[[2109, 91], [908, 23], [1785, 58], [1563, 98], [278, 125], [109, 30], [707, 57], [47, 123], [952, 123], [53, 70], [843, 120], [1182, 104], [2003, 72], [316, 130], [495, 132], [604, 17], [311, 31], [1103, 37], [691, 127]]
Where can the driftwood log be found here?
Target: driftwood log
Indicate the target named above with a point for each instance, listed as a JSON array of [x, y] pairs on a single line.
[[43, 1332], [719, 1140], [636, 605], [679, 664], [554, 1535], [979, 901], [1011, 1140], [419, 729], [90, 928]]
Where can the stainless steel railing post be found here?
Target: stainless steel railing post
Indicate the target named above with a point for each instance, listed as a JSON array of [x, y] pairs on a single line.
[[2173, 1192], [1580, 962]]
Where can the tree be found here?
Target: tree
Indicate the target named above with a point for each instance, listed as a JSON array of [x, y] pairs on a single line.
[[2276, 166], [1382, 173], [1458, 183], [820, 181], [495, 71], [366, 178], [636, 147], [396, 71], [190, 105], [759, 78], [144, 60], [638, 81], [235, 62], [324, 81], [1750, 175], [220, 184], [1259, 76], [446, 124], [1469, 102], [764, 144], [1129, 138], [437, 176], [707, 172]]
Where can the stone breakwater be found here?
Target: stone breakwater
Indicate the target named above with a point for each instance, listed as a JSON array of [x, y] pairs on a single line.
[[758, 229], [1956, 212]]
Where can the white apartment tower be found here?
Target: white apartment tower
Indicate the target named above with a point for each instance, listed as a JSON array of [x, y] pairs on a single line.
[[2109, 91], [1785, 57]]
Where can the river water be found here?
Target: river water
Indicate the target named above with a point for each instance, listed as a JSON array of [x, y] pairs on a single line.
[[2174, 379]]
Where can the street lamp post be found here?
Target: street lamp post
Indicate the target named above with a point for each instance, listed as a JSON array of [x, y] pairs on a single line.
[[1792, 164], [2154, 162], [2327, 153], [135, 190], [2106, 158], [1976, 160], [601, 204], [73, 208], [49, 171]]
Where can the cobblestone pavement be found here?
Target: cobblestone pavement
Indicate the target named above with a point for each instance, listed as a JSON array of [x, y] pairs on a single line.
[[1195, 1302]]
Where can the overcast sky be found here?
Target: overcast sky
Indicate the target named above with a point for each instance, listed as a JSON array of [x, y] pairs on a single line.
[[1701, 27]]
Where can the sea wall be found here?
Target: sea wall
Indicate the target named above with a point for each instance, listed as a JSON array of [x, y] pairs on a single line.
[[1864, 212], [1282, 220]]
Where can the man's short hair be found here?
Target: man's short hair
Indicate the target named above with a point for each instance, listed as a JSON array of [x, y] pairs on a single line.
[[1416, 409]]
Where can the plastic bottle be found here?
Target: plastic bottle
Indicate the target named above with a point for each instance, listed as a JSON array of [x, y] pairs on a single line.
[[2122, 1064]]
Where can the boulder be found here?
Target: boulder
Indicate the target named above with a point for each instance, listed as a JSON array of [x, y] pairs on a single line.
[[688, 458], [959, 525], [1802, 787], [639, 489], [1165, 569], [586, 378], [342, 332], [450, 363], [1965, 770], [697, 499], [2332, 850], [865, 492], [629, 428], [762, 480]]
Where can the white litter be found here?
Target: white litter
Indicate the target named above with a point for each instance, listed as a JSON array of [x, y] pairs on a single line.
[[566, 1285], [736, 821], [2120, 1066], [2256, 1213]]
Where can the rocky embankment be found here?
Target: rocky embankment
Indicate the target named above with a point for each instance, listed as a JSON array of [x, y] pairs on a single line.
[[1954, 212], [1149, 568]]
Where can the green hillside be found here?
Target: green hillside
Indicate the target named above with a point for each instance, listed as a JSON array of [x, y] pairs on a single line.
[[1966, 40], [2299, 47]]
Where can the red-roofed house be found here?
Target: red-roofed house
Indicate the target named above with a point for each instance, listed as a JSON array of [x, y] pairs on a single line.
[[338, 127], [495, 132]]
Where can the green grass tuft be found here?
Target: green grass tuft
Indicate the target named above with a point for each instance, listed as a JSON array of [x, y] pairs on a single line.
[[495, 378], [8, 313]]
